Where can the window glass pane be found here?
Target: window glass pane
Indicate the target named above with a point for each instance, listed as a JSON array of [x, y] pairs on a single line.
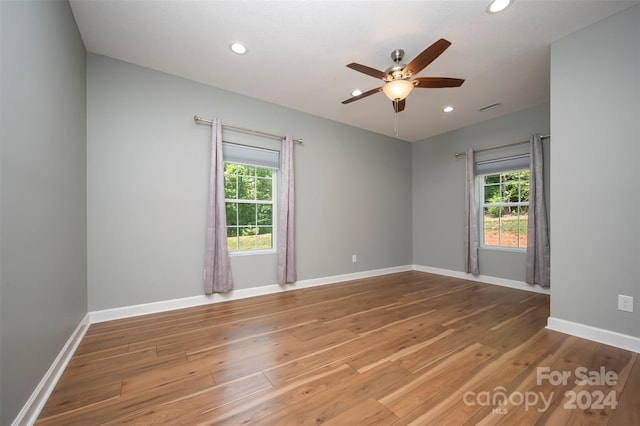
[[232, 214], [509, 176], [504, 193], [230, 186], [263, 189], [511, 187], [493, 211], [232, 238], [492, 189], [492, 194], [246, 188], [246, 231], [246, 214], [492, 179], [524, 222], [265, 230], [230, 168], [265, 238], [248, 238], [524, 191], [511, 192], [509, 226], [265, 214], [264, 172], [491, 220]]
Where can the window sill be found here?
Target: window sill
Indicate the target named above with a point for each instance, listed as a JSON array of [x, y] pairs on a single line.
[[507, 249], [252, 252]]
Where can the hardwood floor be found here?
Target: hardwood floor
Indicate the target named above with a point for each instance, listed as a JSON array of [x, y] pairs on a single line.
[[406, 348]]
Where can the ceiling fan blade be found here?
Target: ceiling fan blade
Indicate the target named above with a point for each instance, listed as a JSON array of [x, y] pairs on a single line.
[[363, 95], [398, 106], [368, 70], [426, 57], [436, 82]]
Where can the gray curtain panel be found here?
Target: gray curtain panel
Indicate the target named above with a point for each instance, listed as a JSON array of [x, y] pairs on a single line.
[[217, 277], [538, 248], [286, 228], [470, 223]]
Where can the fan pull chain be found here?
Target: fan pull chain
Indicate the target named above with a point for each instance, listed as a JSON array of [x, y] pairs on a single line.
[[395, 124]]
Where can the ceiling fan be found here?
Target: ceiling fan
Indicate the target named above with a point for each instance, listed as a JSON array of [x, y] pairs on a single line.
[[397, 78]]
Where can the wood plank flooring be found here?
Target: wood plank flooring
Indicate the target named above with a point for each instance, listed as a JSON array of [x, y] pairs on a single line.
[[406, 348]]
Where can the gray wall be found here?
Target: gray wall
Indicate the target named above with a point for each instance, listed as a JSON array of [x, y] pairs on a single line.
[[595, 116], [43, 175], [148, 178], [438, 191], [142, 224]]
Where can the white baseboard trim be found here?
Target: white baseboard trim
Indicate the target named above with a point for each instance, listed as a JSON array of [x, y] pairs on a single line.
[[31, 410], [519, 285], [608, 337], [187, 302], [611, 338]]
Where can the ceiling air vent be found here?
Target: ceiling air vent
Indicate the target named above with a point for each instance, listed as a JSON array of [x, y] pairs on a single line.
[[486, 107]]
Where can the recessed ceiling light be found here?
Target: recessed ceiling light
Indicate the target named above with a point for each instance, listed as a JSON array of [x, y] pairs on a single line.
[[497, 6], [238, 47], [356, 92], [448, 109]]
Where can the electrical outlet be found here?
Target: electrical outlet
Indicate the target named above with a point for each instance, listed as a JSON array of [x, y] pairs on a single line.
[[625, 303], [354, 258]]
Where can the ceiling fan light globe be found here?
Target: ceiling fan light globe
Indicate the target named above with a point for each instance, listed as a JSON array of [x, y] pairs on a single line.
[[397, 90]]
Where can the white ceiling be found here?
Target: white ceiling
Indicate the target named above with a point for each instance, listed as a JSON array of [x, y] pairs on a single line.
[[298, 51]]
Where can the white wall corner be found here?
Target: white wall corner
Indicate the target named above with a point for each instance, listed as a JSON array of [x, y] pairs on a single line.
[[608, 337], [34, 405]]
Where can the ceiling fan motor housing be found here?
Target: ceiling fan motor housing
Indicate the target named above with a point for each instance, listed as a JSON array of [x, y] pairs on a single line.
[[397, 55], [395, 71]]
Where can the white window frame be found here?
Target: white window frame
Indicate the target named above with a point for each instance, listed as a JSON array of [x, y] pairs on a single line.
[[491, 168], [274, 178]]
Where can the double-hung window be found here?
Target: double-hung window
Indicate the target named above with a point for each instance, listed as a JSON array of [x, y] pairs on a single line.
[[503, 187], [250, 188]]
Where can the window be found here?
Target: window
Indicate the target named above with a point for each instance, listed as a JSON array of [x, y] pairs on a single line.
[[504, 197], [249, 187]]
